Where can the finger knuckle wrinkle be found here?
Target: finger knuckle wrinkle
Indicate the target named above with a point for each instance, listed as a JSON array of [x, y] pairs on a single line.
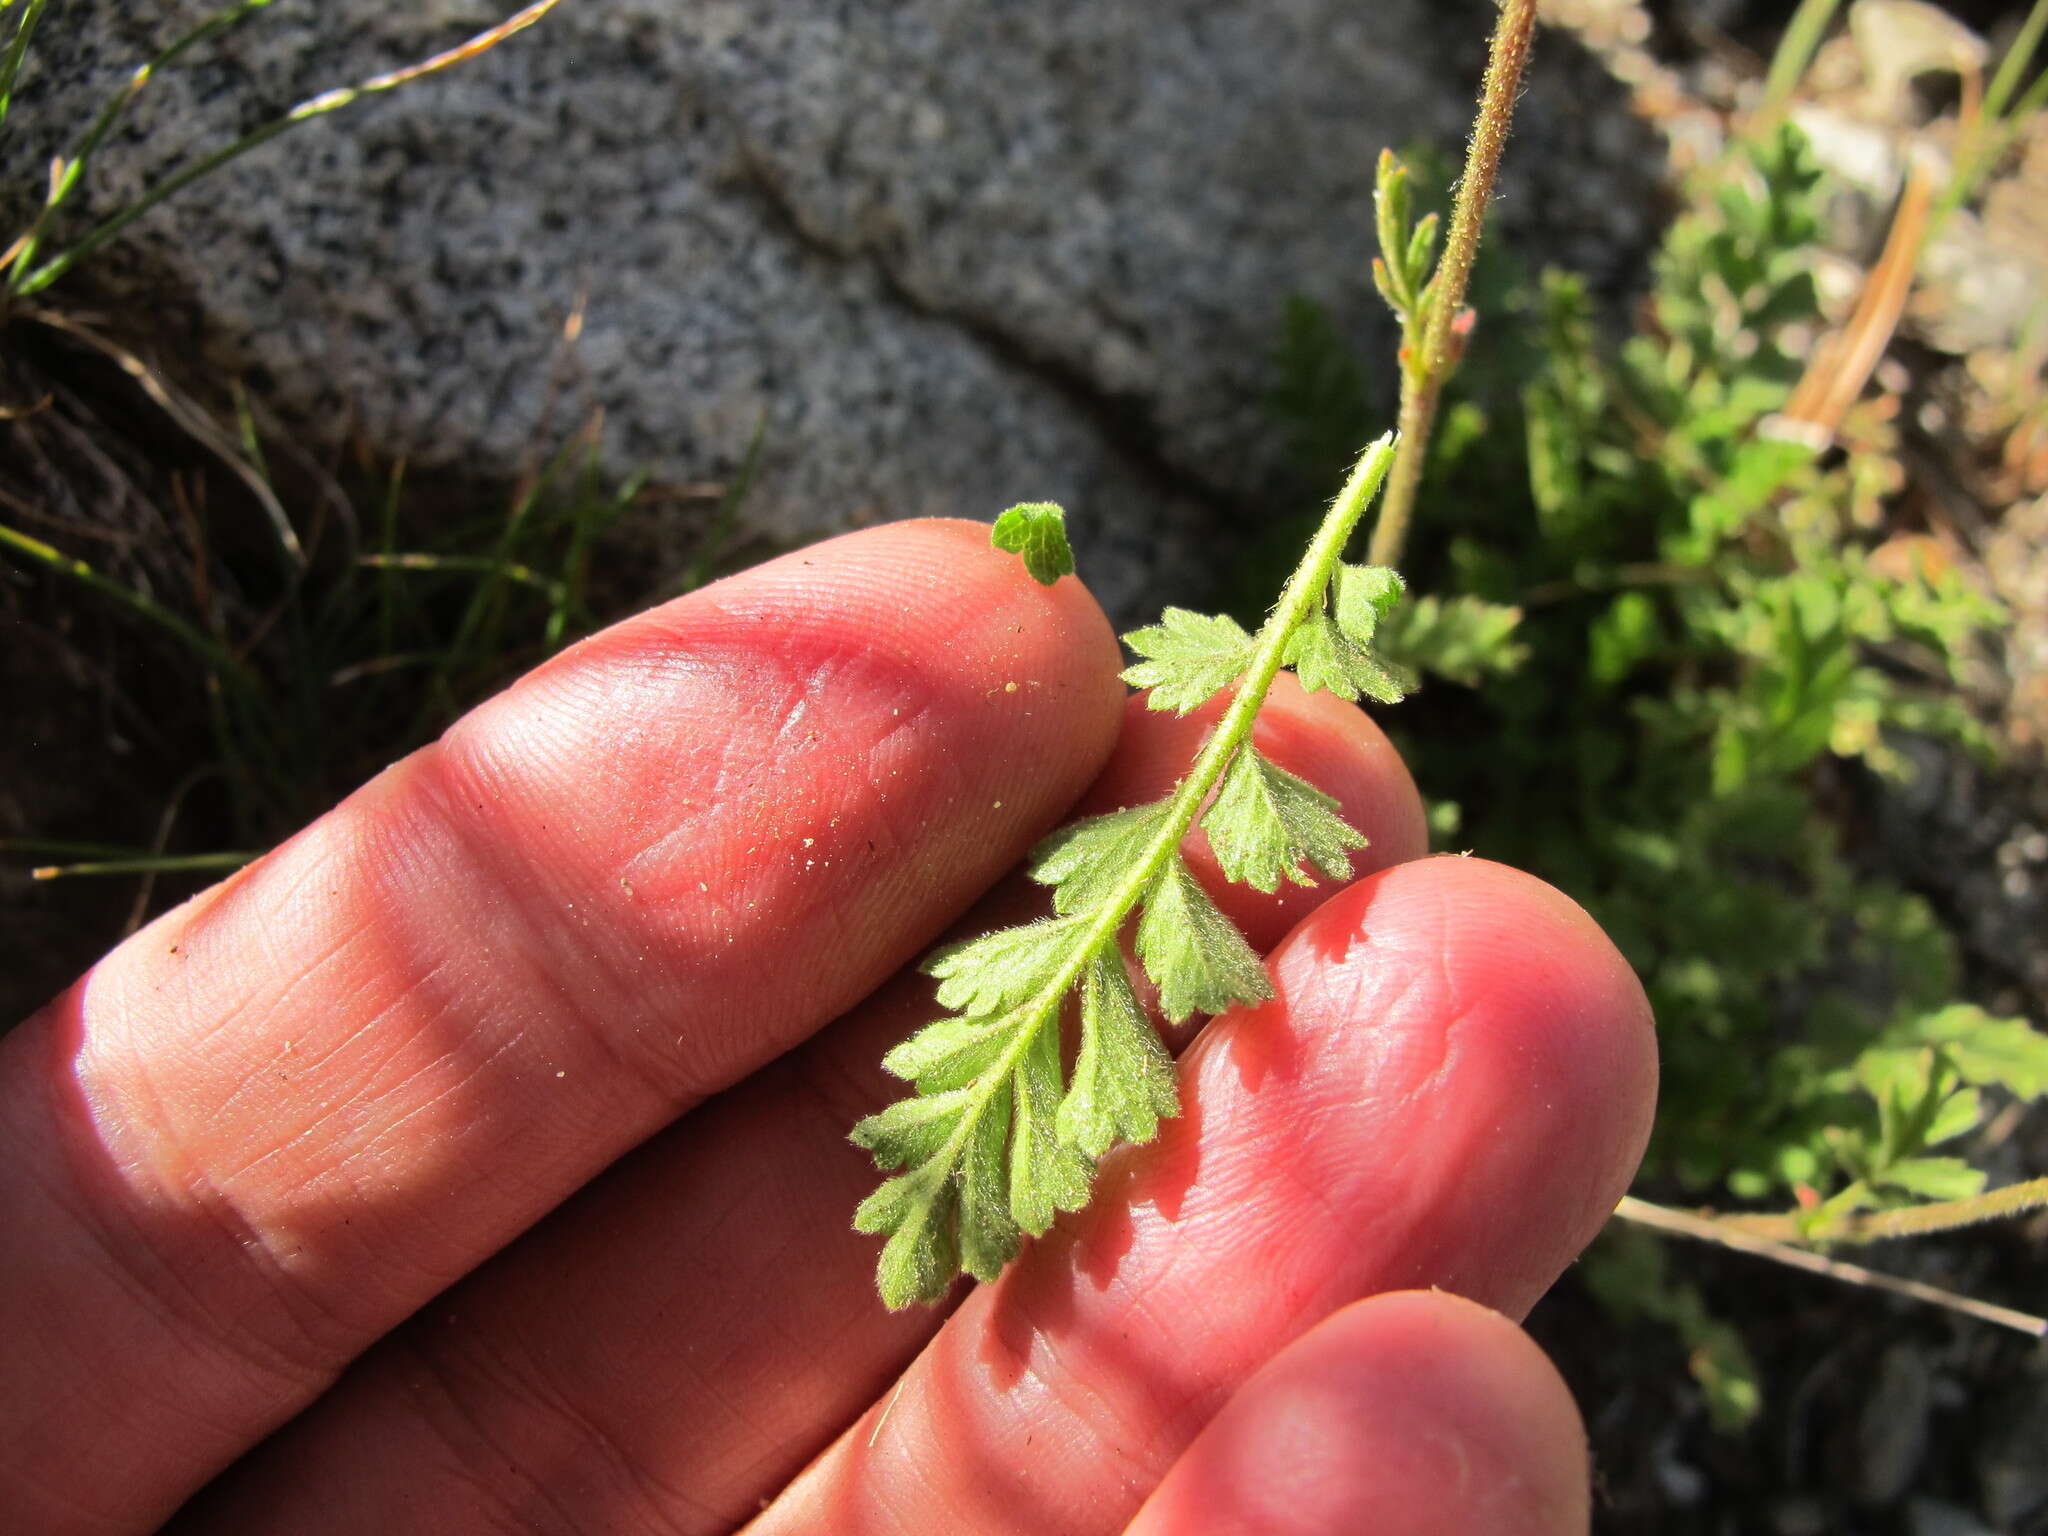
[[496, 1414]]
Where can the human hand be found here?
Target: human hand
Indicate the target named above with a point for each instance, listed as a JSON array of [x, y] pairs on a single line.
[[275, 1155]]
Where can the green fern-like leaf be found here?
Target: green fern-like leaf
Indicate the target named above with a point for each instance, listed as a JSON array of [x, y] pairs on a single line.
[[1084, 861], [1123, 1078], [1194, 953], [1266, 823], [997, 1140], [1324, 656], [1189, 658]]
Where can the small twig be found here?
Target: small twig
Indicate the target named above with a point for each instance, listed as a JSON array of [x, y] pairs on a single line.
[[1710, 1229], [1422, 386], [379, 665], [145, 890]]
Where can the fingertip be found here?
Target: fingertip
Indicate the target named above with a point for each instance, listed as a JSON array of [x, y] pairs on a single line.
[[1407, 1414], [1478, 1060], [1541, 996]]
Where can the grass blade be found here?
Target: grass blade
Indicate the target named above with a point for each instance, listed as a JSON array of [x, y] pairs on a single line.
[[485, 565], [198, 641], [2010, 68], [145, 864], [24, 280], [66, 180], [726, 518], [17, 49], [1796, 50]]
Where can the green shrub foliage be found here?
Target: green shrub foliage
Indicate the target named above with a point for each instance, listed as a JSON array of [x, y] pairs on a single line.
[[1664, 639]]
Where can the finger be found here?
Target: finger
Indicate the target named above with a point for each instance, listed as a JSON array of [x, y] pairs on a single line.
[[676, 1342], [278, 1120], [1411, 1414], [1451, 1087]]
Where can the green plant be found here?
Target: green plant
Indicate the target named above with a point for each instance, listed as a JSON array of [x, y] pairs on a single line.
[[298, 680], [1684, 629], [1735, 627], [997, 1139]]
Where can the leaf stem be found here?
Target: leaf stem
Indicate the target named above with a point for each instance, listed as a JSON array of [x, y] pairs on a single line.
[[1422, 385]]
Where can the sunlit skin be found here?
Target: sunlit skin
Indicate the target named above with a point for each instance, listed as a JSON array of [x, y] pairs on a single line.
[[476, 1161]]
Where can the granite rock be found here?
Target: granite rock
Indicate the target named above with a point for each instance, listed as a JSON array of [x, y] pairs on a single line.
[[953, 254]]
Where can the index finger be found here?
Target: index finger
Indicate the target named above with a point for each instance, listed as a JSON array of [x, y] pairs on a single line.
[[272, 1124]]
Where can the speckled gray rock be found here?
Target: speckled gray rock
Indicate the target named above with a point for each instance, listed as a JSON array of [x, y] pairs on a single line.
[[954, 253]]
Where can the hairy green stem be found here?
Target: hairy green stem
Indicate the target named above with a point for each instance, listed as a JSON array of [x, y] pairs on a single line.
[[1422, 385], [1718, 1230], [1304, 590], [1909, 1221]]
